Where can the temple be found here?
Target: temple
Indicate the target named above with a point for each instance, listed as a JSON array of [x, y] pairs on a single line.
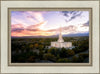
[[60, 43]]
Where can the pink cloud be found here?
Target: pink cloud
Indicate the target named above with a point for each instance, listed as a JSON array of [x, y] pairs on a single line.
[[35, 26], [17, 26], [30, 18], [32, 30], [19, 21], [36, 15], [37, 32]]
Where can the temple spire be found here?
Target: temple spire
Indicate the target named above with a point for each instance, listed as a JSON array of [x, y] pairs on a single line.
[[60, 36]]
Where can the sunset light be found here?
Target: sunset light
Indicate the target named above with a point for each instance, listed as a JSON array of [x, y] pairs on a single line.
[[47, 23]]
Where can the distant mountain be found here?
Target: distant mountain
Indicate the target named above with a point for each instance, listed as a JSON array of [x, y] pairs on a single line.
[[53, 36], [76, 34]]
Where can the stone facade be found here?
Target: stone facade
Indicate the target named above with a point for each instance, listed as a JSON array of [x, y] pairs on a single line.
[[61, 44]]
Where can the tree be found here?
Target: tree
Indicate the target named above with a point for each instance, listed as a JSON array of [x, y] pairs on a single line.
[[84, 55], [70, 52], [41, 55], [40, 47], [23, 48], [21, 59], [31, 46], [80, 59], [31, 59], [75, 43], [50, 57], [64, 60], [63, 53], [75, 59], [76, 49], [52, 50], [36, 45]]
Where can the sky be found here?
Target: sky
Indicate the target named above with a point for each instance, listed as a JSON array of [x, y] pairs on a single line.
[[48, 23]]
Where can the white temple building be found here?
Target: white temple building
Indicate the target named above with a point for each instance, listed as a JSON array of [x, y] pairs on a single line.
[[60, 43]]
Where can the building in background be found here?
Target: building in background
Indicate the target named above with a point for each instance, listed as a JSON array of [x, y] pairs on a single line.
[[60, 43]]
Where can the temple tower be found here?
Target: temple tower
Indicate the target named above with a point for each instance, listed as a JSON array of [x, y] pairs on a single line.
[[60, 36]]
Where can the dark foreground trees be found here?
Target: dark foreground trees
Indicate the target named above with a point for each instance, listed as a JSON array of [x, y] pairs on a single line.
[[32, 50]]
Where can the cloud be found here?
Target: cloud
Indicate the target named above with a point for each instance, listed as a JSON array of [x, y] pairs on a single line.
[[24, 29], [86, 24], [27, 18], [17, 26], [32, 30], [65, 30], [34, 24], [31, 19], [70, 29], [19, 21], [39, 32], [17, 30], [39, 25], [35, 15], [70, 15]]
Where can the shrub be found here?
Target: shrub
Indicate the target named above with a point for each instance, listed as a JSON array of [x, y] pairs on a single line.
[[31, 59], [64, 60], [70, 52], [75, 59], [84, 55], [50, 57]]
